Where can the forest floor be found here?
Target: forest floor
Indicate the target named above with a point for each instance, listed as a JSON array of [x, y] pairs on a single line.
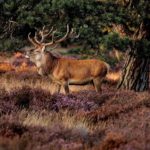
[[32, 118]]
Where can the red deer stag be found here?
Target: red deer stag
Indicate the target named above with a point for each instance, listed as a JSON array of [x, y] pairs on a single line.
[[65, 71]]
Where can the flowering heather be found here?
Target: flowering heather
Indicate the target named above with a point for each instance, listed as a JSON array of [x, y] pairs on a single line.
[[32, 118], [38, 99]]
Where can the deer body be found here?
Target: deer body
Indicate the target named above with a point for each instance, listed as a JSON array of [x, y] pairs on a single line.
[[78, 71], [65, 71]]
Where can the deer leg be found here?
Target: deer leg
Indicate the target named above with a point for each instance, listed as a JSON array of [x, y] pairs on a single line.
[[58, 87], [66, 87], [97, 84]]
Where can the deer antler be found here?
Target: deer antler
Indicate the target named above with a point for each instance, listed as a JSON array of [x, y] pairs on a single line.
[[51, 33], [59, 40], [47, 34], [72, 34], [33, 41]]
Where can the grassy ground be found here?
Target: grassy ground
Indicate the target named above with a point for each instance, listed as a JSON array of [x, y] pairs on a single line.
[[33, 118]]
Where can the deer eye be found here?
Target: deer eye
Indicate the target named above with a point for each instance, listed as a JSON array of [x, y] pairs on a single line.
[[36, 51], [32, 50]]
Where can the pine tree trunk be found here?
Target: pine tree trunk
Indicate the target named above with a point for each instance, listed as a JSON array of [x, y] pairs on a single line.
[[135, 74]]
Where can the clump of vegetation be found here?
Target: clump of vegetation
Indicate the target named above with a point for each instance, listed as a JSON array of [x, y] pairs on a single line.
[[31, 117]]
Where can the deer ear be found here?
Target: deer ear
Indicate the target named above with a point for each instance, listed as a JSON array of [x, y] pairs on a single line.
[[43, 48]]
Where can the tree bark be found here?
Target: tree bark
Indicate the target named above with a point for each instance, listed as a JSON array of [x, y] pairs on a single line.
[[136, 71], [135, 75]]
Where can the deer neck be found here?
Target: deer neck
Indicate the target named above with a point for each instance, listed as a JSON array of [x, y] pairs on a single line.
[[47, 63]]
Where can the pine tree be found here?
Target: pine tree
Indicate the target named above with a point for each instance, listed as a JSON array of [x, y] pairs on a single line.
[[136, 70]]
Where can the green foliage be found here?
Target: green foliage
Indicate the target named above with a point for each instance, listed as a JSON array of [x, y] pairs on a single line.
[[107, 59], [113, 40], [11, 44], [142, 48], [92, 18], [81, 51]]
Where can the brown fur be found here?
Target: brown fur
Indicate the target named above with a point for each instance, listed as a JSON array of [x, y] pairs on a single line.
[[65, 71]]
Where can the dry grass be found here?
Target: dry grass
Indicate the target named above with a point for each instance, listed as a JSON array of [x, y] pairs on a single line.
[[113, 77], [51, 119], [13, 80]]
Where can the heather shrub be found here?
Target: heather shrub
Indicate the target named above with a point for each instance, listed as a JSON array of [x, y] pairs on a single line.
[[22, 97], [26, 76], [8, 144], [11, 130], [56, 137], [98, 98], [112, 141], [6, 106], [119, 103], [72, 102], [38, 99], [32, 118], [26, 97]]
